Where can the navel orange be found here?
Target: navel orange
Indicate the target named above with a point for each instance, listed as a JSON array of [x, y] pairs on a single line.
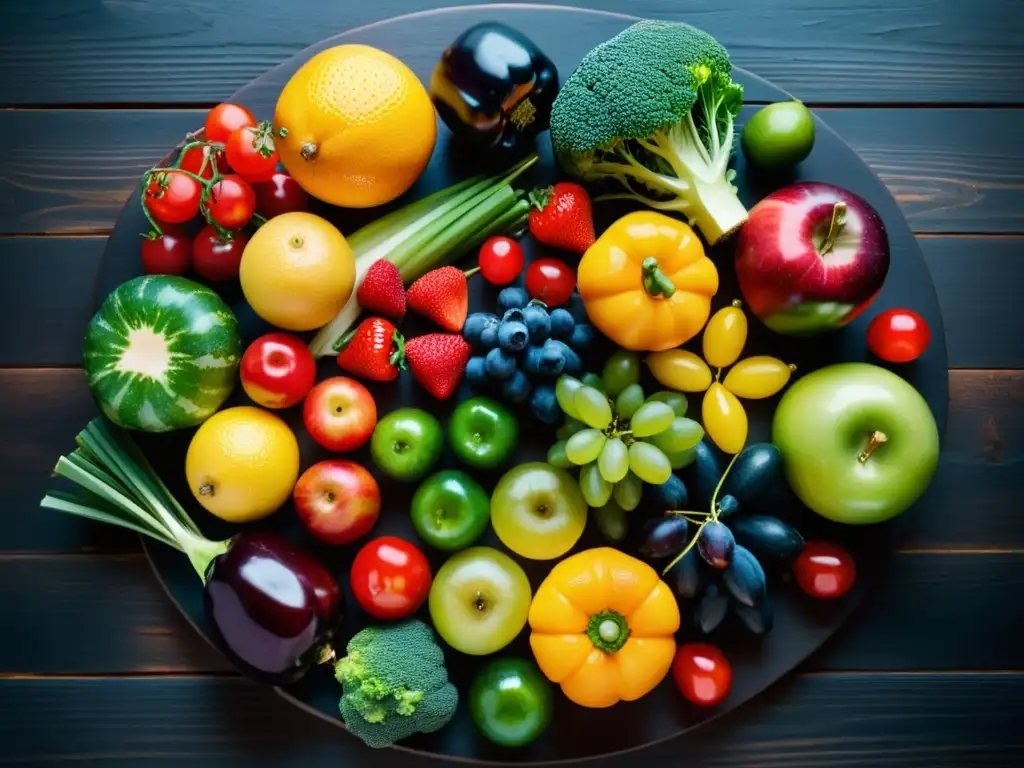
[[359, 126]]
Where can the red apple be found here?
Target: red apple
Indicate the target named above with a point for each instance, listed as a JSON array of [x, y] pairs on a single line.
[[277, 370], [811, 257], [337, 500], [340, 413]]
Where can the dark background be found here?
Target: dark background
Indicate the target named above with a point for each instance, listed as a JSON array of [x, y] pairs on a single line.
[[96, 666]]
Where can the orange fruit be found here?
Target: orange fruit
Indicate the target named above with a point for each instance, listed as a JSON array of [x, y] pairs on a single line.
[[359, 126], [297, 271]]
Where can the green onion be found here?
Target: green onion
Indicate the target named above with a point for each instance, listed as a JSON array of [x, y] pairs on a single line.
[[429, 233]]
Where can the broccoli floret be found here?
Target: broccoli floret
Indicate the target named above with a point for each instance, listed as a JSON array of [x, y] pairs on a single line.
[[394, 683], [653, 109]]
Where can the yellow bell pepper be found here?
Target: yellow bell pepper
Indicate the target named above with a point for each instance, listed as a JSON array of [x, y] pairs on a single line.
[[646, 283], [602, 626]]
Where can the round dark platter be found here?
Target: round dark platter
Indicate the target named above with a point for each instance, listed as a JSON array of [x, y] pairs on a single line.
[[801, 624]]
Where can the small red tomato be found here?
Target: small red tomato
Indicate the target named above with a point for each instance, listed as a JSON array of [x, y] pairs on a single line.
[[390, 578], [251, 153], [232, 202], [702, 674], [225, 119], [551, 281], [282, 194], [195, 157], [898, 335], [167, 254], [216, 258], [501, 260], [172, 196], [825, 570], [277, 370]]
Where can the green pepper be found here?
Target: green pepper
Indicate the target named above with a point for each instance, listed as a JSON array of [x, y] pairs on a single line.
[[494, 88]]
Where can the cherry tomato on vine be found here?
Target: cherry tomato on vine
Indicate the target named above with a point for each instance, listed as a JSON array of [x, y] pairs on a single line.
[[390, 578], [551, 281], [898, 335], [501, 260], [702, 674], [251, 153], [282, 194], [216, 258], [825, 570], [193, 161], [167, 254], [225, 119], [232, 202], [172, 196]]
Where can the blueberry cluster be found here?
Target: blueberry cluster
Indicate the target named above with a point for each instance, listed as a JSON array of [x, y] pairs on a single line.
[[523, 351]]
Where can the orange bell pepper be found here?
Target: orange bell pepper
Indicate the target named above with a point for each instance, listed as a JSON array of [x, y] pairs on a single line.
[[646, 283], [602, 626]]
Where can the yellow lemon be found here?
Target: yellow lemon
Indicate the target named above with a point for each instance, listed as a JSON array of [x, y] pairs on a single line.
[[242, 464], [297, 271], [359, 126]]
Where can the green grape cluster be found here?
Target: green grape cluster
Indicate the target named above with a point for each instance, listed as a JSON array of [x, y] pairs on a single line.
[[619, 437]]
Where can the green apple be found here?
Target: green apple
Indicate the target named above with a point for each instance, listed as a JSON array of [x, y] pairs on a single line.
[[482, 432], [479, 600], [538, 511], [407, 443], [511, 702], [859, 444], [450, 510]]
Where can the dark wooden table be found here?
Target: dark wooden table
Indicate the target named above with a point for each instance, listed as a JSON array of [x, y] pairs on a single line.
[[97, 667]]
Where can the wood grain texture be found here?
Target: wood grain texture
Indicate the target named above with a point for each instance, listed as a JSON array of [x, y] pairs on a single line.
[[809, 721], [928, 50], [974, 500], [950, 170]]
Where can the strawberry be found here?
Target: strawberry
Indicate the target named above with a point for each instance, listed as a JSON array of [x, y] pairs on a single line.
[[564, 217], [374, 350], [442, 295], [437, 361], [382, 290]]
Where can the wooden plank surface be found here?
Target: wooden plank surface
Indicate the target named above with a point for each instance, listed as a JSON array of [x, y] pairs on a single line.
[[951, 170], [148, 51], [809, 721]]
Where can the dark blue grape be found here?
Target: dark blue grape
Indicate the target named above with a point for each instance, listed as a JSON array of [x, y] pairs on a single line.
[[512, 335], [531, 360], [769, 539], [759, 619], [665, 536], [744, 577], [562, 324], [582, 337], [757, 468], [516, 389], [538, 322], [544, 405], [716, 544], [500, 364], [702, 475], [476, 373], [687, 576], [513, 315], [512, 297], [711, 610], [669, 495], [475, 325], [727, 505]]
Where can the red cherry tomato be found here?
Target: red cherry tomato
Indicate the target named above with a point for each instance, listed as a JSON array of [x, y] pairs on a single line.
[[501, 260], [390, 578], [898, 335], [702, 674], [825, 570], [551, 281], [277, 370], [282, 194], [193, 162], [232, 202], [216, 258], [167, 254], [251, 153], [173, 197], [225, 119]]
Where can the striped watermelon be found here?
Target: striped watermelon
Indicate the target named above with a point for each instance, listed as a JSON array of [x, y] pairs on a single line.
[[161, 353]]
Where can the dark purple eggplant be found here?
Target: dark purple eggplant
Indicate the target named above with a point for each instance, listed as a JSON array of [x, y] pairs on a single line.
[[716, 544], [768, 538], [744, 577], [757, 468], [665, 536], [687, 576], [711, 610]]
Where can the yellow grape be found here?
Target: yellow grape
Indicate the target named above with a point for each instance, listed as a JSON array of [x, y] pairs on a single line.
[[679, 369], [725, 421], [724, 336], [757, 377]]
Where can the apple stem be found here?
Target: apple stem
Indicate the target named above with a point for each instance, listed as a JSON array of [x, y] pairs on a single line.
[[834, 227], [877, 438], [656, 282]]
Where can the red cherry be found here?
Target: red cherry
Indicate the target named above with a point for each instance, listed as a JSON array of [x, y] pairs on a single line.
[[825, 570], [551, 281]]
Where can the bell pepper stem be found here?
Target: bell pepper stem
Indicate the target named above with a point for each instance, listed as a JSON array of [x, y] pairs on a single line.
[[608, 631], [656, 282]]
